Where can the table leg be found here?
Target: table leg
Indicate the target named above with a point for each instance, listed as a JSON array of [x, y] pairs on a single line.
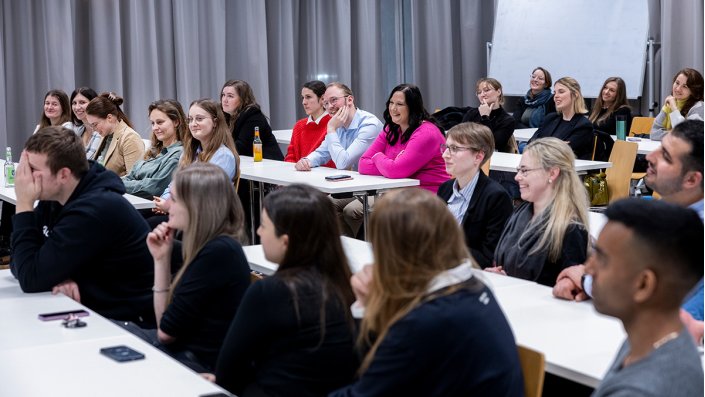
[[252, 212], [362, 196]]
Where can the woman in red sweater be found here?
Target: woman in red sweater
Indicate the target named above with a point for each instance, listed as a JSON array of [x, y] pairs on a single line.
[[309, 132]]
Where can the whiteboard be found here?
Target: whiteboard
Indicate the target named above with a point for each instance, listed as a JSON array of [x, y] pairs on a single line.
[[589, 40]]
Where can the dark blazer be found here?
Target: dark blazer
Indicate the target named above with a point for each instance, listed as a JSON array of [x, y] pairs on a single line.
[[244, 134], [577, 131], [489, 209]]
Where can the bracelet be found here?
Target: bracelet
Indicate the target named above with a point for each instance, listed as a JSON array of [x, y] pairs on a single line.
[[159, 291]]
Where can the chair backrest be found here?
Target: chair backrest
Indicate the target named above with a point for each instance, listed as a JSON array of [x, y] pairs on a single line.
[[532, 367], [641, 125], [601, 146], [620, 174], [486, 167]]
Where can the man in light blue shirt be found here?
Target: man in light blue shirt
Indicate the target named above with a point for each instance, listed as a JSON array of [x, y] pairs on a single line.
[[349, 133]]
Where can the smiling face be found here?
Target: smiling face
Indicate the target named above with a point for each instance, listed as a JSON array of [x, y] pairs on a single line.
[[335, 98], [537, 82], [532, 179], [665, 172], [398, 110], [313, 105], [201, 124], [52, 108], [680, 87], [274, 246], [609, 93], [229, 100], [562, 97], [163, 127], [461, 162], [78, 106]]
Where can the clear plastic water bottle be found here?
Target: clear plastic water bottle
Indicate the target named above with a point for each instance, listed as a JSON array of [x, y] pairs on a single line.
[[9, 168]]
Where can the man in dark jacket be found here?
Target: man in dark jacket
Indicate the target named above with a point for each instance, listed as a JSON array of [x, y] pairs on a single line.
[[83, 238]]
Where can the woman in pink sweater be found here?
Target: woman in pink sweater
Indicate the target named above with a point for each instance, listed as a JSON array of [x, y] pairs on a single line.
[[309, 132], [408, 146]]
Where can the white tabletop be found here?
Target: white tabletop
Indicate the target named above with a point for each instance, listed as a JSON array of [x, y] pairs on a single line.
[[283, 173], [42, 358], [524, 134], [645, 146], [358, 253], [509, 162], [8, 194], [283, 136]]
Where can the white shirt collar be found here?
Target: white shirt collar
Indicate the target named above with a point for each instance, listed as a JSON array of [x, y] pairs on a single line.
[[458, 274], [318, 120]]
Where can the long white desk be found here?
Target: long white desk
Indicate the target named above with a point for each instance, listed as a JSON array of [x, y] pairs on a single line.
[[283, 139], [358, 253], [524, 134], [510, 161], [283, 174], [42, 358], [645, 146], [7, 194]]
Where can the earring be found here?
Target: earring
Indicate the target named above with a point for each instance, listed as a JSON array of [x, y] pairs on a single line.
[[549, 181]]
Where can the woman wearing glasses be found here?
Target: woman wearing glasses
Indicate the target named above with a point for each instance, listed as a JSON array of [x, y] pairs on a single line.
[[209, 141], [243, 114], [569, 122], [430, 326], [408, 144], [538, 101], [491, 114], [479, 204], [195, 308], [122, 146], [549, 232], [151, 175]]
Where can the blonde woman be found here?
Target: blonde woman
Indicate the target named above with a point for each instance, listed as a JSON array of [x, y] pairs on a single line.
[[195, 309], [548, 232], [569, 123], [432, 327]]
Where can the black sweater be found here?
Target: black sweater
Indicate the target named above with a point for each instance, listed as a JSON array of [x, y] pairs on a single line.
[[244, 134], [97, 239], [577, 131], [206, 299], [499, 122]]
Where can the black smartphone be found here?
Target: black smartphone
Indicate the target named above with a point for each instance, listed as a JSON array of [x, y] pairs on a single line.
[[121, 353], [338, 178], [62, 315]]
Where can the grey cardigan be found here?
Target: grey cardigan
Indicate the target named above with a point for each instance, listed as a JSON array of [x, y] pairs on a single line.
[[695, 113]]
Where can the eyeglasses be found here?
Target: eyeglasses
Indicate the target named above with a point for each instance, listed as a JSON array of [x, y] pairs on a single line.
[[523, 171], [95, 124], [453, 149], [197, 119], [537, 78], [333, 100], [484, 90]]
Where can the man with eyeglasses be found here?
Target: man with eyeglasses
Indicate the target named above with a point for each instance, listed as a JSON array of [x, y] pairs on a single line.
[[349, 133], [83, 238]]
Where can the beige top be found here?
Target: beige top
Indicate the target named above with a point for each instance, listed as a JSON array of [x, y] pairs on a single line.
[[126, 148]]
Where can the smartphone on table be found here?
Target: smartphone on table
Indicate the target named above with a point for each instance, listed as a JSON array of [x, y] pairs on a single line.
[[63, 315], [121, 353], [338, 178]]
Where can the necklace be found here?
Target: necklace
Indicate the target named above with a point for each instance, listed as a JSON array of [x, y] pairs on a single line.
[[665, 339]]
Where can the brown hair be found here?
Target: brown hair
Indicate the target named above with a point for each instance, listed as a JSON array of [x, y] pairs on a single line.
[[65, 108], [63, 148], [494, 83], [620, 100], [477, 136], [694, 81], [548, 82], [247, 99], [107, 103], [172, 108], [404, 267]]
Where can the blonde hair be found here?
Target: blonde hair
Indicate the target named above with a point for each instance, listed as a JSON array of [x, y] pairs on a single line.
[[405, 264], [494, 83], [570, 200], [196, 186], [574, 87]]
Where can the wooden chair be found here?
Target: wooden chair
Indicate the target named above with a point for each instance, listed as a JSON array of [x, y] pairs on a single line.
[[486, 167], [620, 175], [532, 368], [641, 125]]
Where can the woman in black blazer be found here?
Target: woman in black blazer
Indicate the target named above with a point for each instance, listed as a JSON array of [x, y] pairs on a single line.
[[569, 123], [480, 205]]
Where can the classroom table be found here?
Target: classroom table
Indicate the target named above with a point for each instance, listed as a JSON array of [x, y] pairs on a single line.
[[283, 138], [509, 162], [578, 343], [358, 253], [42, 358], [7, 194], [645, 145], [524, 134], [283, 174]]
